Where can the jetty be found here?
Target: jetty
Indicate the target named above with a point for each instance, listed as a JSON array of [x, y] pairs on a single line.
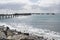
[[5, 16]]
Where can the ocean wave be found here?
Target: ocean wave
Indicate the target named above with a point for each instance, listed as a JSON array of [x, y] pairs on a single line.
[[36, 31]]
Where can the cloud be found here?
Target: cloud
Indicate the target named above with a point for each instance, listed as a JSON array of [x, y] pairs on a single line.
[[31, 5], [14, 1], [50, 9], [53, 8], [48, 2], [13, 6], [33, 1]]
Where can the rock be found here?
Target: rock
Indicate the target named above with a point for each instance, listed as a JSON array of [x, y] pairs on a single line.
[[19, 33], [26, 39], [20, 37], [2, 35], [2, 28], [6, 28], [53, 39], [9, 37], [26, 34], [10, 33]]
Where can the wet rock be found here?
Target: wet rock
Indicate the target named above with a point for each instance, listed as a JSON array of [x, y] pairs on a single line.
[[53, 39], [26, 39], [2, 28], [2, 35], [26, 34], [19, 33], [20, 37]]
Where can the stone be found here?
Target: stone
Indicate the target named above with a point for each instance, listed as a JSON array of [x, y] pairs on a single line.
[[2, 35], [26, 34]]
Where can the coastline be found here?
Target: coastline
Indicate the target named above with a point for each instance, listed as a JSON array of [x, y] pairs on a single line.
[[7, 34]]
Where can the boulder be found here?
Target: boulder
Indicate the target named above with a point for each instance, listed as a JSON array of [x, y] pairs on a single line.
[[26, 34], [2, 35]]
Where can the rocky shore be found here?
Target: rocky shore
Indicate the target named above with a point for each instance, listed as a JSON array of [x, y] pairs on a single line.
[[7, 34]]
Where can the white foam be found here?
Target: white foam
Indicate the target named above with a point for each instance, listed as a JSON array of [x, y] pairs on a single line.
[[28, 28]]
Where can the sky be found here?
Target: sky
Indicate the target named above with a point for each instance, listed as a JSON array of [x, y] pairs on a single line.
[[33, 6]]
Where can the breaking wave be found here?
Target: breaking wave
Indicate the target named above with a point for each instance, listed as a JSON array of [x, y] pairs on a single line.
[[36, 31]]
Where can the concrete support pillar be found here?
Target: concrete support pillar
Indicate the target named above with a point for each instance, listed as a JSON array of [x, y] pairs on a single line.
[[0, 17], [6, 17]]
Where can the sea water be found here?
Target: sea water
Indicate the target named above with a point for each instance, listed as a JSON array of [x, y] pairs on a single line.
[[47, 25]]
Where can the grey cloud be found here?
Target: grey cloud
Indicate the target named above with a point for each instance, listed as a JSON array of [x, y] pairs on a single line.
[[13, 6], [52, 8], [35, 7], [20, 6], [33, 1]]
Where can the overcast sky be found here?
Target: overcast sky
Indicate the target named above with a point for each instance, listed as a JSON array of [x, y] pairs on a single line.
[[31, 5]]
